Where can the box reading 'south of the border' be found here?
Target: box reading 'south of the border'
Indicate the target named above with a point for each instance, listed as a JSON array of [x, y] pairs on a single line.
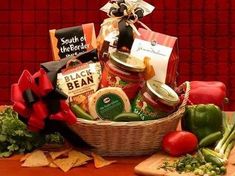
[[72, 41]]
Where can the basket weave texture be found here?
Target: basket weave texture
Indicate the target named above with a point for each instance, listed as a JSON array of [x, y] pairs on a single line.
[[128, 138]]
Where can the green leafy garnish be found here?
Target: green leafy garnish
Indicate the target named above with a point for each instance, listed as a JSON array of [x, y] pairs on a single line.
[[15, 137], [194, 164]]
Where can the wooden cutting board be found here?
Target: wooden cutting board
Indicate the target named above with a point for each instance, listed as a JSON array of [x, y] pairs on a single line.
[[150, 166]]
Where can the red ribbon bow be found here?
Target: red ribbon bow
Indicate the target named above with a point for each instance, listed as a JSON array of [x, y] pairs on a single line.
[[28, 98]]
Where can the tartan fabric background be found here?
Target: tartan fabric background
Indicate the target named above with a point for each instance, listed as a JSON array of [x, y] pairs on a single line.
[[205, 29]]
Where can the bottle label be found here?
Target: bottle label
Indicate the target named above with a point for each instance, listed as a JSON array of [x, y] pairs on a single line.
[[145, 111], [130, 88], [116, 81], [109, 106]]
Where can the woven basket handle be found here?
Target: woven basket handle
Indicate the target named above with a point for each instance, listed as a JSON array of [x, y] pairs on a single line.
[[186, 94]]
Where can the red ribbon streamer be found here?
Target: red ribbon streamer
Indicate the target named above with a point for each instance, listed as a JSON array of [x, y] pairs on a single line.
[[38, 112]]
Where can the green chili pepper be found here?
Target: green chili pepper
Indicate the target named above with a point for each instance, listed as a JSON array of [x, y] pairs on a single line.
[[80, 113], [210, 139], [127, 116]]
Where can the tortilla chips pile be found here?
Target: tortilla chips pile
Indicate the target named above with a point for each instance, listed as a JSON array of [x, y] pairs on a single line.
[[64, 159]]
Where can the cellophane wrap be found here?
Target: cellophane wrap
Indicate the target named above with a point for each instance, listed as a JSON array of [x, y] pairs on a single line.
[[109, 35]]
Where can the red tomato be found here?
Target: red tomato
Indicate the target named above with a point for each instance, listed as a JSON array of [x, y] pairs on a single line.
[[178, 143]]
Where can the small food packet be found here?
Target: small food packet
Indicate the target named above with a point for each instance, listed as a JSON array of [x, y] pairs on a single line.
[[80, 81], [72, 41], [76, 77]]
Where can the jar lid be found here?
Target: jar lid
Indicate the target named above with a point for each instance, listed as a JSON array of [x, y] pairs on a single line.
[[126, 61], [163, 92]]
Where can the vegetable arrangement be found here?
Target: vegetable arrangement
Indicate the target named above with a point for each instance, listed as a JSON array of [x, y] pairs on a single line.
[[195, 164], [216, 136], [15, 138], [219, 155], [228, 138]]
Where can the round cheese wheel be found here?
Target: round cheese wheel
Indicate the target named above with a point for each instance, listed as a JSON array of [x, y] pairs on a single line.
[[108, 102]]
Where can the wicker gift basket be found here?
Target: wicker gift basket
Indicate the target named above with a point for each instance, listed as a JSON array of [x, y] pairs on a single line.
[[128, 138]]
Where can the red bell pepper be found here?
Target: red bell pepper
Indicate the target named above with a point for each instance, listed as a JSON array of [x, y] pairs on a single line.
[[207, 92]]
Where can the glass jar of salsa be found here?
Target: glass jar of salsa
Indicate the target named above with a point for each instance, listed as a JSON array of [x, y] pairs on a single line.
[[155, 100], [124, 71]]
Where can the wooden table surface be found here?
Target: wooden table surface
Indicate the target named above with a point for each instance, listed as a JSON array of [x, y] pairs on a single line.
[[123, 167]]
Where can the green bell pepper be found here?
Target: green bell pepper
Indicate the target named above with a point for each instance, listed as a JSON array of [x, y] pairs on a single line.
[[202, 119]]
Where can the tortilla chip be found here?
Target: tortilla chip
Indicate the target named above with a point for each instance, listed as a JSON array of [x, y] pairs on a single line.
[[65, 164], [79, 99], [22, 159], [53, 165], [51, 162], [84, 105], [79, 163], [71, 158], [36, 159], [100, 162], [57, 154], [81, 157]]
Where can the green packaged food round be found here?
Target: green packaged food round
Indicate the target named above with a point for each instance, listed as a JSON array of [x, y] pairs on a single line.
[[108, 102]]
